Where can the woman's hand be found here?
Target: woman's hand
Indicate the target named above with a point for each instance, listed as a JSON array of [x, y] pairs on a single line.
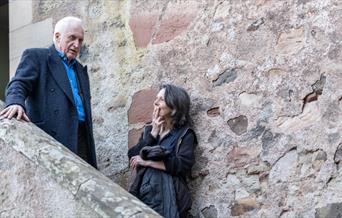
[[157, 122], [138, 161]]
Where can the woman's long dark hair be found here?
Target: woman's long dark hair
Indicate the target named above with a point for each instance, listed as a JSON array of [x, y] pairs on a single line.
[[178, 100]]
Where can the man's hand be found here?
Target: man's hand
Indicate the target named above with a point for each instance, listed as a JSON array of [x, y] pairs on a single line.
[[14, 110]]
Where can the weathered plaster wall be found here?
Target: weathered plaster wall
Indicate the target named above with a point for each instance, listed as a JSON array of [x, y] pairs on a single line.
[[265, 80]]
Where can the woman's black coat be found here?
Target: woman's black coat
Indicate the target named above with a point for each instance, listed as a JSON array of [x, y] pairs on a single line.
[[166, 191]]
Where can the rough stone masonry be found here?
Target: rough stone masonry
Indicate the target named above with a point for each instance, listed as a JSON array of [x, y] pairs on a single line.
[[265, 80]]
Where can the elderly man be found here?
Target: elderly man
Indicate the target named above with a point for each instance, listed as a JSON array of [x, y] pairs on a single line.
[[51, 89]]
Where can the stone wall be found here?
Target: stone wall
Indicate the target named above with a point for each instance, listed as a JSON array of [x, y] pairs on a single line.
[[41, 178], [265, 81]]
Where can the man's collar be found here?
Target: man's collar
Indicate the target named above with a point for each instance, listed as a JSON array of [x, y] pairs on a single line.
[[65, 59]]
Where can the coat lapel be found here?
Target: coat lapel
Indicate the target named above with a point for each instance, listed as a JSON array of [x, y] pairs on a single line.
[[83, 85], [58, 72], [83, 79]]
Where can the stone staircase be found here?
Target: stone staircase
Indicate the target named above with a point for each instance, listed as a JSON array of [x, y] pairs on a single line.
[[41, 178]]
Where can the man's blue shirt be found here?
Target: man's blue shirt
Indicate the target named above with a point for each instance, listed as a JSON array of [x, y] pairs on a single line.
[[69, 68]]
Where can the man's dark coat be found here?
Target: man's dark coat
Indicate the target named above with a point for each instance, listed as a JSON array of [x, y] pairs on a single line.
[[42, 87]]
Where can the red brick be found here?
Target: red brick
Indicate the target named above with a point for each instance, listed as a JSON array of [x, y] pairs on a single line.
[[142, 26], [133, 137], [142, 106], [177, 18], [145, 24]]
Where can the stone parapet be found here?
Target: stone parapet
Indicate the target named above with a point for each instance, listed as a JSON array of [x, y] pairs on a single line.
[[42, 178]]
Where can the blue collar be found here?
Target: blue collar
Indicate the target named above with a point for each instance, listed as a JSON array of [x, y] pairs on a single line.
[[65, 59]]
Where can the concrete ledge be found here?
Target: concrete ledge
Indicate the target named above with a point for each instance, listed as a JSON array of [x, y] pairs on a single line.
[[88, 186]]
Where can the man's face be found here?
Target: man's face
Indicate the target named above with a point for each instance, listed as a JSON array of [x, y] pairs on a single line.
[[70, 42]]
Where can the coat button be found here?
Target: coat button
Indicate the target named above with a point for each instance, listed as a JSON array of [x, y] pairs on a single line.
[[56, 112], [52, 90]]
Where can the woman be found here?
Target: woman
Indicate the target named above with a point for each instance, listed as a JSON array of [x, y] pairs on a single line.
[[164, 155]]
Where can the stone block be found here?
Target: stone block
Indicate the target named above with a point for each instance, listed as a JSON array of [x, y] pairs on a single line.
[[133, 136], [142, 106], [238, 124], [331, 211], [210, 212], [284, 170], [244, 205], [145, 23], [290, 42], [242, 157], [176, 19], [142, 26], [250, 99]]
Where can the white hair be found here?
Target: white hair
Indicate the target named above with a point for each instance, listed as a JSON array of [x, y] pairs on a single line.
[[63, 23]]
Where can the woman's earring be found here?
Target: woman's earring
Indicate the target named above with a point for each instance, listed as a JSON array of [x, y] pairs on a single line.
[[173, 112]]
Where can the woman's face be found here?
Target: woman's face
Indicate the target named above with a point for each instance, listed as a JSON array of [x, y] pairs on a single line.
[[164, 110]]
